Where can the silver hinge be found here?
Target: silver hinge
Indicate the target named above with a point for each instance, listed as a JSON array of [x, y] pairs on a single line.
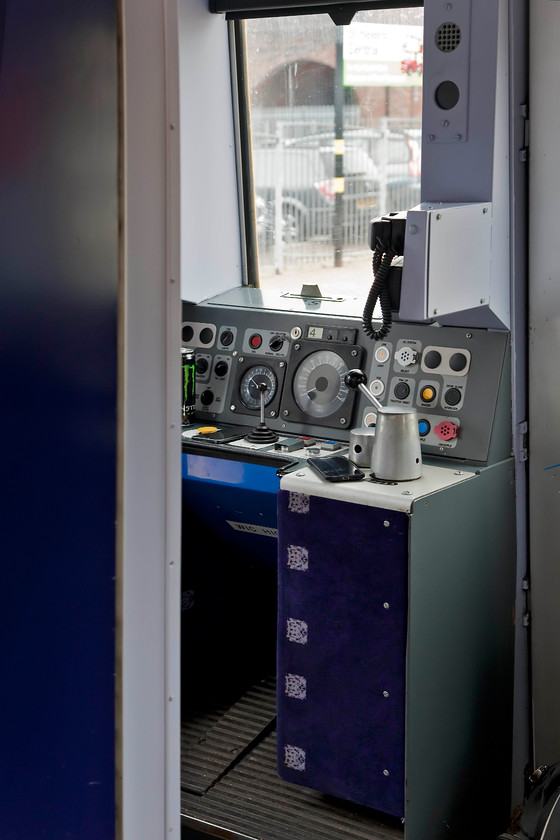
[[524, 151], [521, 442], [526, 619]]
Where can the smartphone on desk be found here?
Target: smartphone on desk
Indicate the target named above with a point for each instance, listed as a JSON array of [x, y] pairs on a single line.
[[336, 468]]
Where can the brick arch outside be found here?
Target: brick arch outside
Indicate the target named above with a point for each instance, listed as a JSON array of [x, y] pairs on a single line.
[[298, 83]]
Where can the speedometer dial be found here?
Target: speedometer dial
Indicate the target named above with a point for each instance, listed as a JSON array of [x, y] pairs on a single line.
[[252, 383], [319, 387]]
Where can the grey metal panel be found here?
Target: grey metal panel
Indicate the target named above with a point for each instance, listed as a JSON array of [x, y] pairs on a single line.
[[481, 385], [519, 58], [210, 249], [544, 350], [459, 167], [443, 273], [149, 513], [460, 667], [465, 158], [502, 443]]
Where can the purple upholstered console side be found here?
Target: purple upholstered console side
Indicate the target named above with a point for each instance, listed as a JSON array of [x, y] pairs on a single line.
[[342, 648]]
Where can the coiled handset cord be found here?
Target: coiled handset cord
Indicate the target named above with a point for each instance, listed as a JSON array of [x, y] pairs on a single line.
[[381, 264]]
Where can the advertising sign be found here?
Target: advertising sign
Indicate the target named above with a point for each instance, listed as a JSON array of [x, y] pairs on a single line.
[[380, 54]]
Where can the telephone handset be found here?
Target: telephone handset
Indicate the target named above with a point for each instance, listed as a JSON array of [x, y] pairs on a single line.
[[387, 243]]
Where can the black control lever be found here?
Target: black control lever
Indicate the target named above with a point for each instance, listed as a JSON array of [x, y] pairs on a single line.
[[262, 434], [356, 380]]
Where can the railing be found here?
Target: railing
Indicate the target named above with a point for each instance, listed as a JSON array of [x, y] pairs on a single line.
[[294, 170]]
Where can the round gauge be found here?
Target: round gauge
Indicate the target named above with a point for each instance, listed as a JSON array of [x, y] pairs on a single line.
[[319, 387], [251, 386]]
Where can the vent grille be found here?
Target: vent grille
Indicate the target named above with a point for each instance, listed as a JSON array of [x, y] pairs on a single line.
[[448, 37]]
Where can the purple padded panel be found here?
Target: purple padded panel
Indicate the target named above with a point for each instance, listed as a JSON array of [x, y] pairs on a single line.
[[342, 649]]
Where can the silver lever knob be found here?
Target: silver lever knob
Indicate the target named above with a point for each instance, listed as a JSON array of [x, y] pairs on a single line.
[[356, 380]]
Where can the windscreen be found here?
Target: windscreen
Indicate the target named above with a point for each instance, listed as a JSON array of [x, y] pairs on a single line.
[[335, 123]]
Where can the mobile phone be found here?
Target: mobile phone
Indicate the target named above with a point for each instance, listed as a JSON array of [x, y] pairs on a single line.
[[336, 468]]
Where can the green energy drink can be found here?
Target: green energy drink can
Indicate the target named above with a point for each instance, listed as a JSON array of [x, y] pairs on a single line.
[[188, 392]]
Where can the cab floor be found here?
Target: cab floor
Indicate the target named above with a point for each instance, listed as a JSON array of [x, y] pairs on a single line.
[[230, 787]]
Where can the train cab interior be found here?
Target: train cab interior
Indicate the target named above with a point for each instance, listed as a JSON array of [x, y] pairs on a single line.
[[310, 592], [337, 632]]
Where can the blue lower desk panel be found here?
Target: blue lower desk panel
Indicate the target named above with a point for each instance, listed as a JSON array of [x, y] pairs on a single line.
[[229, 578], [233, 499], [342, 649]]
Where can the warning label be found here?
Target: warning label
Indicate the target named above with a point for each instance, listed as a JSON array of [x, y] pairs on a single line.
[[248, 528]]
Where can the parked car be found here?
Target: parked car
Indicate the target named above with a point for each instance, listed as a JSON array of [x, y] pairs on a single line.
[[381, 174]]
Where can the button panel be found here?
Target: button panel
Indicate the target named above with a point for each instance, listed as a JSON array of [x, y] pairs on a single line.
[[272, 343], [445, 388], [450, 361], [450, 375], [438, 397]]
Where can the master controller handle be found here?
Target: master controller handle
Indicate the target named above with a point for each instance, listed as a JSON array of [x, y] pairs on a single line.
[[396, 453], [356, 380], [262, 434]]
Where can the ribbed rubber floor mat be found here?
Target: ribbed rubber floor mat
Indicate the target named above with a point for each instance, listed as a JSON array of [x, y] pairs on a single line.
[[230, 736], [249, 800]]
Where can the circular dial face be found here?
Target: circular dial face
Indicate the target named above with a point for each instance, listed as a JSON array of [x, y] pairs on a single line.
[[319, 387], [252, 385]]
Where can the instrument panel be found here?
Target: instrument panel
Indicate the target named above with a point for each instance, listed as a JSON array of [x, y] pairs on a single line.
[[291, 367]]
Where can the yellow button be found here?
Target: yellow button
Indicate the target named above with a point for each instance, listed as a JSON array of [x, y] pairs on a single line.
[[428, 393], [207, 430]]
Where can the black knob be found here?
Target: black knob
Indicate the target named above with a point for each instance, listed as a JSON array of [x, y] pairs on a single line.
[[226, 338], [206, 397], [276, 343], [201, 366], [355, 378], [221, 368]]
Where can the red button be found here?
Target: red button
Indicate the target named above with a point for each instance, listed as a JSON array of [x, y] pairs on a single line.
[[255, 341]]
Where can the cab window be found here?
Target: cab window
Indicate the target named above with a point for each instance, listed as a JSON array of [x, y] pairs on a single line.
[[334, 139]]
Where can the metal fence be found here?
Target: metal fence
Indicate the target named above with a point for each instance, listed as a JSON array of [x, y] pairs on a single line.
[[321, 215]]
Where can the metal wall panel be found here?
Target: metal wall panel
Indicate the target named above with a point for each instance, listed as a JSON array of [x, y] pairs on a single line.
[[544, 406], [461, 652], [150, 504]]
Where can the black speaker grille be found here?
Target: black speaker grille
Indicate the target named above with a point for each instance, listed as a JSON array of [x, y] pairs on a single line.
[[448, 37]]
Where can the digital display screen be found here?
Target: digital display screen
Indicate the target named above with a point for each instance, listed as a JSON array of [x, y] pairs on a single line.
[[315, 332]]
